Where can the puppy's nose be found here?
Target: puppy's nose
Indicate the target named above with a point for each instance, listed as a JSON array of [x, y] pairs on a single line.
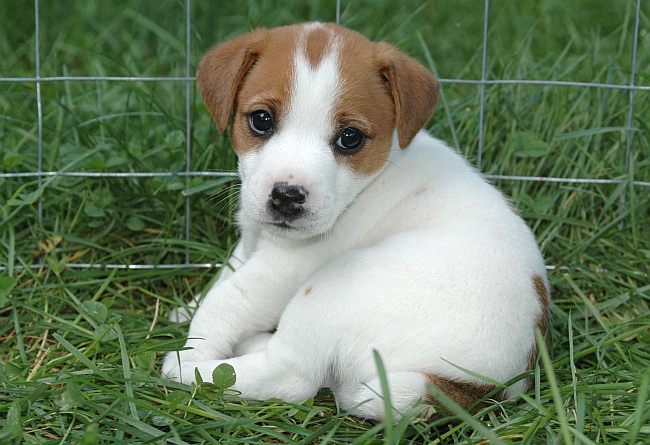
[[288, 199]]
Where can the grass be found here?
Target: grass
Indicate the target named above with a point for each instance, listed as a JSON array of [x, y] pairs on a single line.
[[81, 348]]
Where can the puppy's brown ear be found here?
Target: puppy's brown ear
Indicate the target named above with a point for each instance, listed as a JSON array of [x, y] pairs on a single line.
[[222, 69], [414, 90]]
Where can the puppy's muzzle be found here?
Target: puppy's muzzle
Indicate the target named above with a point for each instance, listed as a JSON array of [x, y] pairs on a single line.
[[288, 199]]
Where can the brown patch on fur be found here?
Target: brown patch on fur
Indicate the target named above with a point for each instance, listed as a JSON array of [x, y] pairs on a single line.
[[317, 45], [414, 90], [267, 86], [364, 102], [542, 323], [382, 89], [255, 72], [466, 394], [222, 70], [308, 290], [544, 298], [249, 73]]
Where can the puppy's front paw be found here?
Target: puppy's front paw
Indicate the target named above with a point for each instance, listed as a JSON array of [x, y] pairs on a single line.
[[171, 367], [185, 371], [181, 370], [174, 365]]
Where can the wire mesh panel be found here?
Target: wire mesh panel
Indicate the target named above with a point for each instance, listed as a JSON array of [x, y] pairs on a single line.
[[123, 145]]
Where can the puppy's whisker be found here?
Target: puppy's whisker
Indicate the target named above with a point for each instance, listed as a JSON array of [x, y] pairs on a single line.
[[223, 194], [392, 164], [216, 195]]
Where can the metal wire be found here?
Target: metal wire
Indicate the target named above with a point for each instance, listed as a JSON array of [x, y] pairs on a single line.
[[125, 266], [96, 78], [39, 105], [630, 114], [481, 118], [120, 174], [554, 83], [338, 12], [188, 79], [188, 122]]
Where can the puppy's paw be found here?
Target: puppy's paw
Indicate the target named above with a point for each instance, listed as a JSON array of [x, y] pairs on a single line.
[[196, 352], [179, 370], [181, 374], [185, 371], [171, 367]]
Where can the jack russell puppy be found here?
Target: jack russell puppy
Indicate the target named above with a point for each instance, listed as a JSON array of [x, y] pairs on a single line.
[[359, 232]]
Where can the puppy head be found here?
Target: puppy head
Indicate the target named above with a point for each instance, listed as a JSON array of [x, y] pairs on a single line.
[[314, 110]]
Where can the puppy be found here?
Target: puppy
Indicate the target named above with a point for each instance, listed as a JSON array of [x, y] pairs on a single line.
[[359, 232]]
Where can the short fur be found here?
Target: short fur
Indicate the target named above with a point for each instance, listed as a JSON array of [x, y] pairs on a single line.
[[399, 247]]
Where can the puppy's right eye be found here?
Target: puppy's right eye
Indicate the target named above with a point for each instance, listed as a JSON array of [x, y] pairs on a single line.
[[261, 123]]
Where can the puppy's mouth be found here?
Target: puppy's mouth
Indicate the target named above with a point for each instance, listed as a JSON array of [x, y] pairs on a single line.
[[287, 228], [284, 221], [283, 225]]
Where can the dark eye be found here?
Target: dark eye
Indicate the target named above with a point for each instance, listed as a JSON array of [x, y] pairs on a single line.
[[350, 140], [261, 123]]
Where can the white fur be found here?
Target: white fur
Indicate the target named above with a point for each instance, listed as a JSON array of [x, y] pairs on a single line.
[[422, 261]]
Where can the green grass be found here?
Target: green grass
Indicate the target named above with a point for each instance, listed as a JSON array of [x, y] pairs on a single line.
[[80, 349]]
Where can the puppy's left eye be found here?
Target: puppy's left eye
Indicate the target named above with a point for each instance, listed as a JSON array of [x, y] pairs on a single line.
[[350, 140], [261, 123]]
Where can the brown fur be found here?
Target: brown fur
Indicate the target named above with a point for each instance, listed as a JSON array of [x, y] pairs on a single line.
[[414, 90], [466, 394], [542, 322], [365, 103], [222, 69], [317, 45], [382, 89]]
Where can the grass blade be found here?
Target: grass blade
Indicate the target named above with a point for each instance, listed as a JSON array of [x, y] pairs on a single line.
[[555, 390], [388, 407], [126, 370], [82, 358]]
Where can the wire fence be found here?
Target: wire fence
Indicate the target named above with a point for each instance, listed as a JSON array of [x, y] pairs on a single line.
[[189, 79]]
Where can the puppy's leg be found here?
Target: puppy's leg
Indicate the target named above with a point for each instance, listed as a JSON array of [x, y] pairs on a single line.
[[367, 399], [252, 344], [182, 314], [276, 372], [250, 301]]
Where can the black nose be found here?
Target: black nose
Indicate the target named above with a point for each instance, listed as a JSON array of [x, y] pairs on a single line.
[[288, 199]]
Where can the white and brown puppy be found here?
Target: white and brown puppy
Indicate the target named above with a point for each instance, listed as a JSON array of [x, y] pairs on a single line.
[[359, 231]]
